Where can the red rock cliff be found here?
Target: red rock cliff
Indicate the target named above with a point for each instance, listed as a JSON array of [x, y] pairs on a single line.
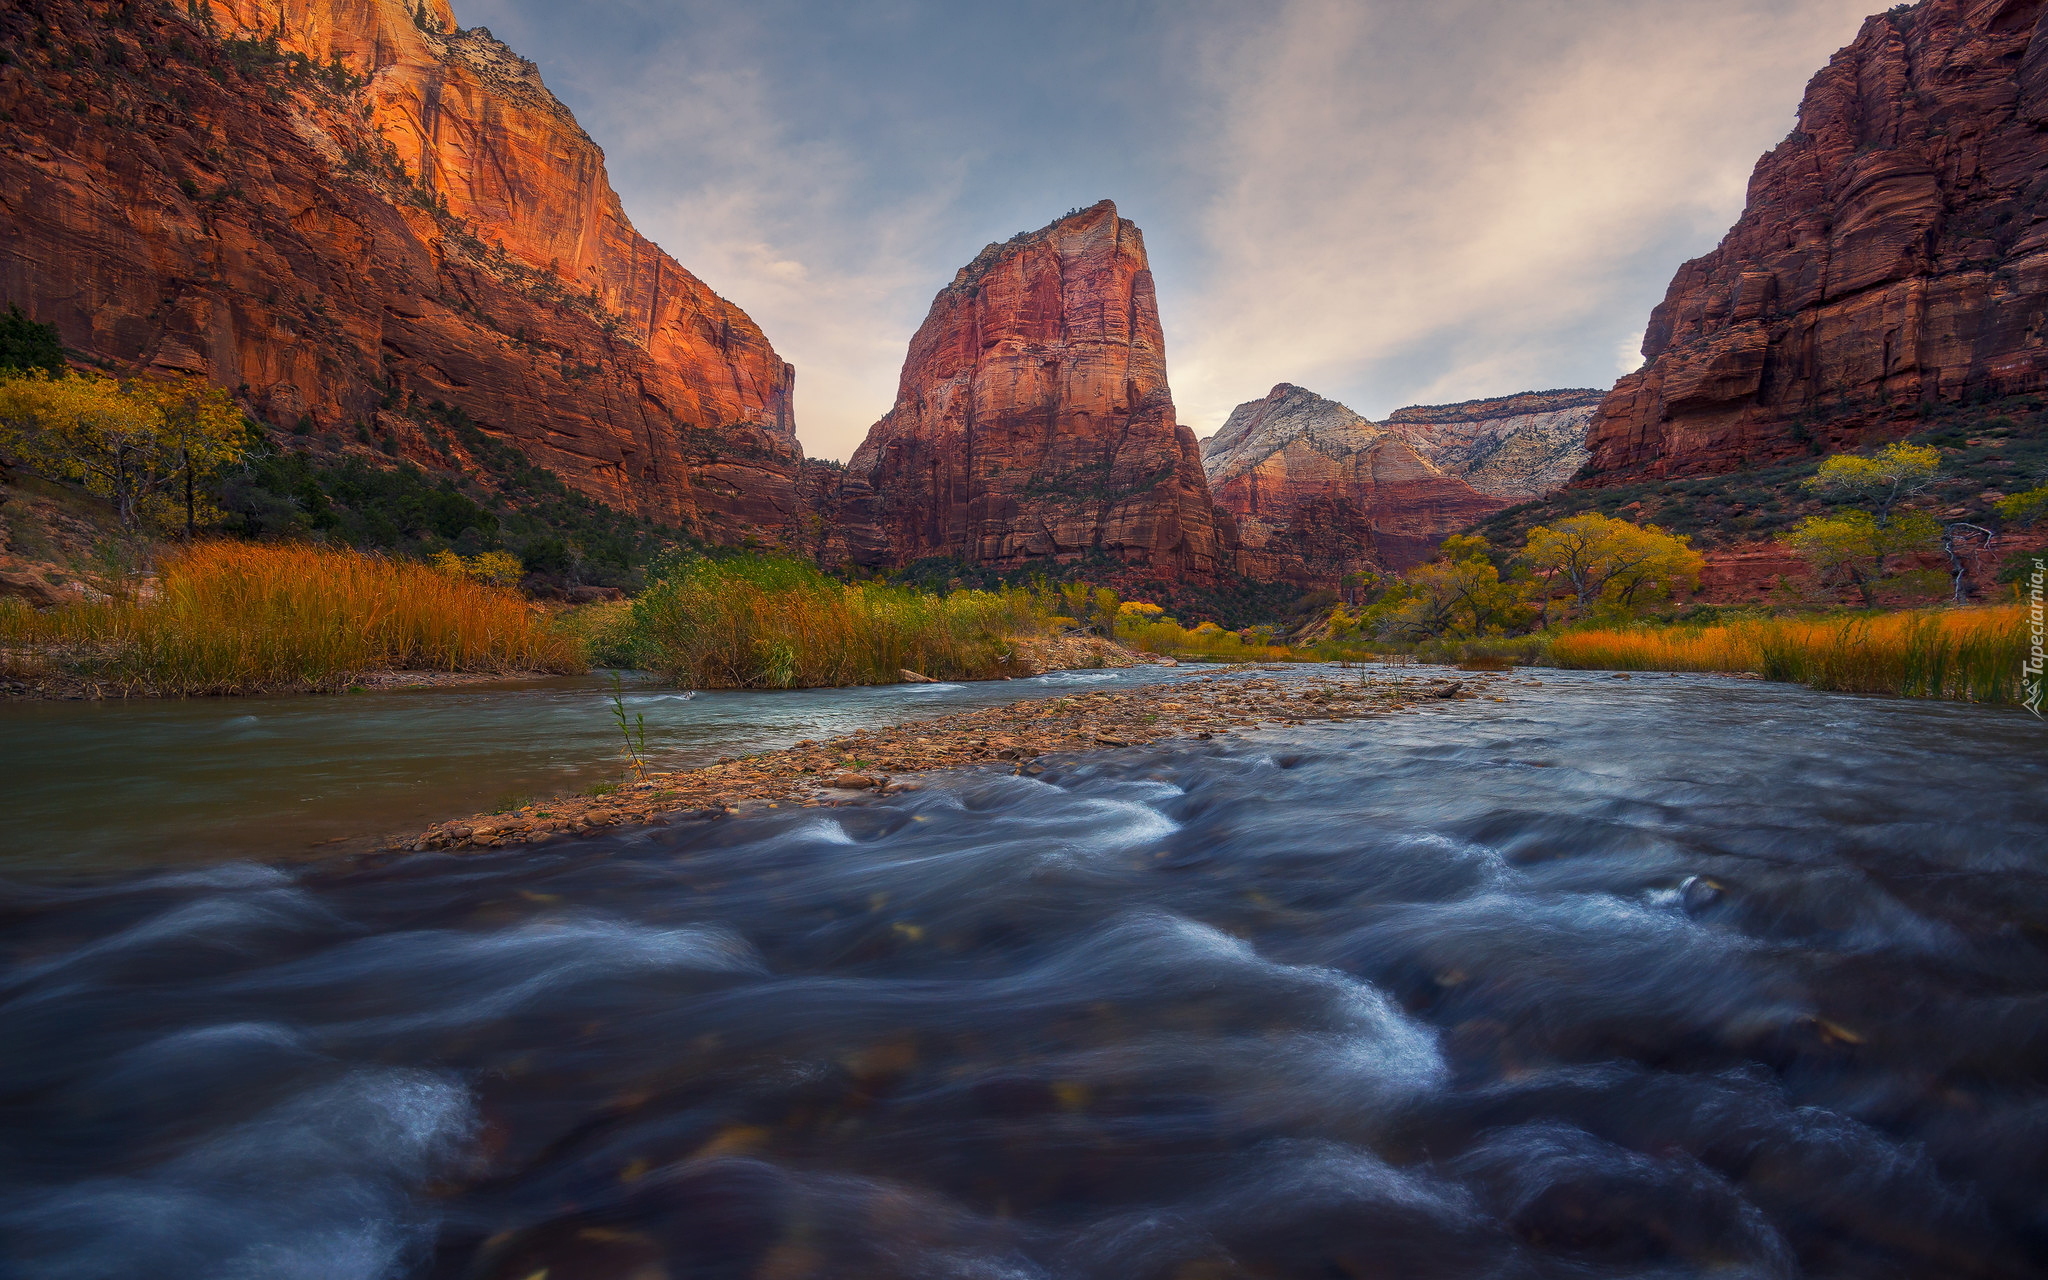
[[1034, 420], [1318, 491], [1894, 248], [402, 214]]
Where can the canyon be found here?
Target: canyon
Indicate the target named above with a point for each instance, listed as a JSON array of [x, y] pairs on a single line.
[[363, 218], [1318, 491], [1033, 421], [1893, 250]]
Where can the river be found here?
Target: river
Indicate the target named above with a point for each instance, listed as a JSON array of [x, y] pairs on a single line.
[[1648, 977], [143, 781]]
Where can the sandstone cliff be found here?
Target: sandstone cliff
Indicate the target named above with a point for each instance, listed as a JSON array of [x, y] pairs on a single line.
[[349, 209], [1894, 249], [1515, 447], [1317, 491], [1033, 419]]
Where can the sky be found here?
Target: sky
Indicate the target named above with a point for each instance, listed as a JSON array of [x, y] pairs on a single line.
[[1389, 202]]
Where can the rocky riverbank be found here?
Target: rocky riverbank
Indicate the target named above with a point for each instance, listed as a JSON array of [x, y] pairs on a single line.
[[866, 763]]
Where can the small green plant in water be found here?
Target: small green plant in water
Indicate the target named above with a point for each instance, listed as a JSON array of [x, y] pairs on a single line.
[[634, 731]]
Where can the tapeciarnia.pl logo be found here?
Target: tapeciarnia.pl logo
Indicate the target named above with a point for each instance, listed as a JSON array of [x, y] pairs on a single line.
[[2037, 633]]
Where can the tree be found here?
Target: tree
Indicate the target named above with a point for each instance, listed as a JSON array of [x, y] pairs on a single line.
[[1897, 473], [1851, 546], [126, 442], [1612, 563], [2025, 508], [26, 345], [1459, 595]]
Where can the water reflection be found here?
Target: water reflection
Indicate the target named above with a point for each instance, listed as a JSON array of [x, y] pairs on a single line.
[[145, 782], [1673, 978]]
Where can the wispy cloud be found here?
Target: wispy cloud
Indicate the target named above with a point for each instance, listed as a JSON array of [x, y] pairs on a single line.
[[1390, 202], [1432, 202]]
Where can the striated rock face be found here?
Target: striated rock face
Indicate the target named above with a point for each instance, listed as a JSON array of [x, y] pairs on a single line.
[[1318, 491], [1894, 249], [350, 214], [1034, 419], [1515, 447]]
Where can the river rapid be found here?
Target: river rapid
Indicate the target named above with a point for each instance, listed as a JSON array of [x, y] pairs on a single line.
[[1648, 977]]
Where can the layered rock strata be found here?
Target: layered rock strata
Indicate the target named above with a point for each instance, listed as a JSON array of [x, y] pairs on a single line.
[[1317, 491], [1033, 419], [350, 209], [1894, 249], [1515, 447]]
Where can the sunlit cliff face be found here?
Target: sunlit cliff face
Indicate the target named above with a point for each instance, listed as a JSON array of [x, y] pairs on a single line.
[[1392, 203]]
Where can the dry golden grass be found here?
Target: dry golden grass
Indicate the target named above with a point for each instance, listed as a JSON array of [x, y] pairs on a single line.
[[240, 617], [760, 623], [1972, 655]]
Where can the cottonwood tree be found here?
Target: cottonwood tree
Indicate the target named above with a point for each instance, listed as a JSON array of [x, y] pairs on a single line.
[[1871, 528], [1612, 565], [1880, 483], [1851, 546], [1459, 595], [129, 442]]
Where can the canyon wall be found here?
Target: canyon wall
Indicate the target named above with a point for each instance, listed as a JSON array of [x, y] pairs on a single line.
[[349, 210], [1515, 447], [1317, 491], [1894, 249], [1033, 420]]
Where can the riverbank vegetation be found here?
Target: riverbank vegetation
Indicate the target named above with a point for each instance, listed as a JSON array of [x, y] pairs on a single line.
[[226, 617], [1971, 655], [756, 622]]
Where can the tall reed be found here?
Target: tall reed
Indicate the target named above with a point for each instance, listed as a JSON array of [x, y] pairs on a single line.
[[239, 617], [758, 623], [1971, 655]]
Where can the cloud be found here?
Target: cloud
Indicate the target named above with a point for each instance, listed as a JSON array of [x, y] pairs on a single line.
[[1387, 201], [1432, 202]]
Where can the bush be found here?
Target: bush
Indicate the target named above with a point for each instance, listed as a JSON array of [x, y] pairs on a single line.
[[756, 622]]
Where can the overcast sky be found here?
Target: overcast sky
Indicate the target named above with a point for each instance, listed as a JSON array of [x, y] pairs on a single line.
[[1389, 202]]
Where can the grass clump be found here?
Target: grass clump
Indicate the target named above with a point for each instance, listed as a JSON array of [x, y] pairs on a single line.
[[1970, 655], [756, 622], [242, 617]]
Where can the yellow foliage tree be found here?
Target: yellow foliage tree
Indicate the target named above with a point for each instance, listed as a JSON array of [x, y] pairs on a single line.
[[492, 568], [2025, 508], [1612, 564], [129, 442], [1851, 546], [1878, 483], [1458, 595]]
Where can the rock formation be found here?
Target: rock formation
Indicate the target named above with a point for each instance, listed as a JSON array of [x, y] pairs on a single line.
[[1318, 491], [1516, 447], [1033, 419], [1894, 249], [350, 209]]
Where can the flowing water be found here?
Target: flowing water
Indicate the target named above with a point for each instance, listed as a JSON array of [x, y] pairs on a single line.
[[1656, 977], [90, 784]]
